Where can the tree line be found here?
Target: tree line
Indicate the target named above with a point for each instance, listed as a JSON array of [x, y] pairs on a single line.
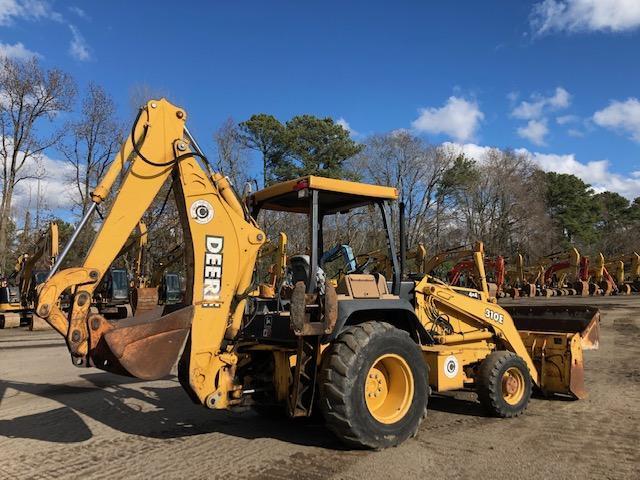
[[503, 198]]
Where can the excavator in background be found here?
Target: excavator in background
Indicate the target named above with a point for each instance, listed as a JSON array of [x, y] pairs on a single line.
[[375, 261], [625, 269], [167, 282], [112, 296], [615, 268], [464, 271], [562, 275], [143, 293], [597, 277], [277, 253], [117, 296], [452, 256], [366, 353], [25, 277], [570, 273], [520, 281], [461, 270]]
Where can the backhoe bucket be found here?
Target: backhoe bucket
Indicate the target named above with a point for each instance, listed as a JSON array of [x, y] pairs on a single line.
[[576, 319], [146, 346]]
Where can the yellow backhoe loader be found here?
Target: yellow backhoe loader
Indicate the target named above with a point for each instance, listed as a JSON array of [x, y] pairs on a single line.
[[10, 306], [365, 353], [26, 277]]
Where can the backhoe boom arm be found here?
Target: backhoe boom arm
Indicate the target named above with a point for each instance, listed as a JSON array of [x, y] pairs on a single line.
[[221, 245]]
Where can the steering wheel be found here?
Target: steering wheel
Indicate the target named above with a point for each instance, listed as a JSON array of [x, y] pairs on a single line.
[[361, 268]]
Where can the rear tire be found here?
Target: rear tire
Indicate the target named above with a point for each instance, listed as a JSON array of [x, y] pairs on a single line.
[[504, 384], [373, 386]]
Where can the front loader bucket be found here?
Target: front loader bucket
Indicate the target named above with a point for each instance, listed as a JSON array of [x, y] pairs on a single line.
[[145, 346], [582, 320], [559, 362]]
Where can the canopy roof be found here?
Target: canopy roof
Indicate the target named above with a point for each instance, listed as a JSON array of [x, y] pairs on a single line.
[[335, 195]]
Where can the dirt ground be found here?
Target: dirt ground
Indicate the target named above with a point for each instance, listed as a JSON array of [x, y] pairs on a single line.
[[57, 421]]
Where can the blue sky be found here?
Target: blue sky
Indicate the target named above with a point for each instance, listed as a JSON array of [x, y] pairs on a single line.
[[450, 71]]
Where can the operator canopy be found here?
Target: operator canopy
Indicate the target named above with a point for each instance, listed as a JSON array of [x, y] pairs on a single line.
[[337, 195]]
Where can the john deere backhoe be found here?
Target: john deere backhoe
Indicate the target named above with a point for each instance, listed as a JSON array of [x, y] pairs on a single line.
[[365, 353], [21, 285]]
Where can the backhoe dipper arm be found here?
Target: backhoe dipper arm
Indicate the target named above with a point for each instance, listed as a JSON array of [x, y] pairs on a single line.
[[221, 245]]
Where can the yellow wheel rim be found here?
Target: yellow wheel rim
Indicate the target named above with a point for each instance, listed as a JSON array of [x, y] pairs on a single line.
[[513, 386], [388, 388]]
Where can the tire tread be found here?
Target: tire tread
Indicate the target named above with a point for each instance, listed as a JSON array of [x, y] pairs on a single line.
[[335, 384]]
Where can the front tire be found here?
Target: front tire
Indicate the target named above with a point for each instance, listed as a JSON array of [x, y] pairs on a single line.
[[504, 384], [373, 386]]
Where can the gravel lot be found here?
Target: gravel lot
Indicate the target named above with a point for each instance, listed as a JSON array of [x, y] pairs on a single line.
[[57, 421]]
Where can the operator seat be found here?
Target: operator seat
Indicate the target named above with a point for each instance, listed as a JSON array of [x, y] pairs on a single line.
[[300, 269]]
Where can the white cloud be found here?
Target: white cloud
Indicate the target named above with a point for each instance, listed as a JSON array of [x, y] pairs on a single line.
[[535, 131], [477, 152], [585, 15], [458, 118], [55, 188], [344, 124], [78, 47], [513, 96], [527, 110], [596, 173], [623, 117], [79, 12], [11, 10], [36, 10], [565, 119], [54, 184], [17, 50]]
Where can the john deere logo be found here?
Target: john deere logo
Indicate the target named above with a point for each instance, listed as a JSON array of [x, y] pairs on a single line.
[[451, 366], [201, 211]]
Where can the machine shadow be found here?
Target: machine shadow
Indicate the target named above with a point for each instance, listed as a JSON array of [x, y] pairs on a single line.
[[47, 426], [148, 411], [455, 405]]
